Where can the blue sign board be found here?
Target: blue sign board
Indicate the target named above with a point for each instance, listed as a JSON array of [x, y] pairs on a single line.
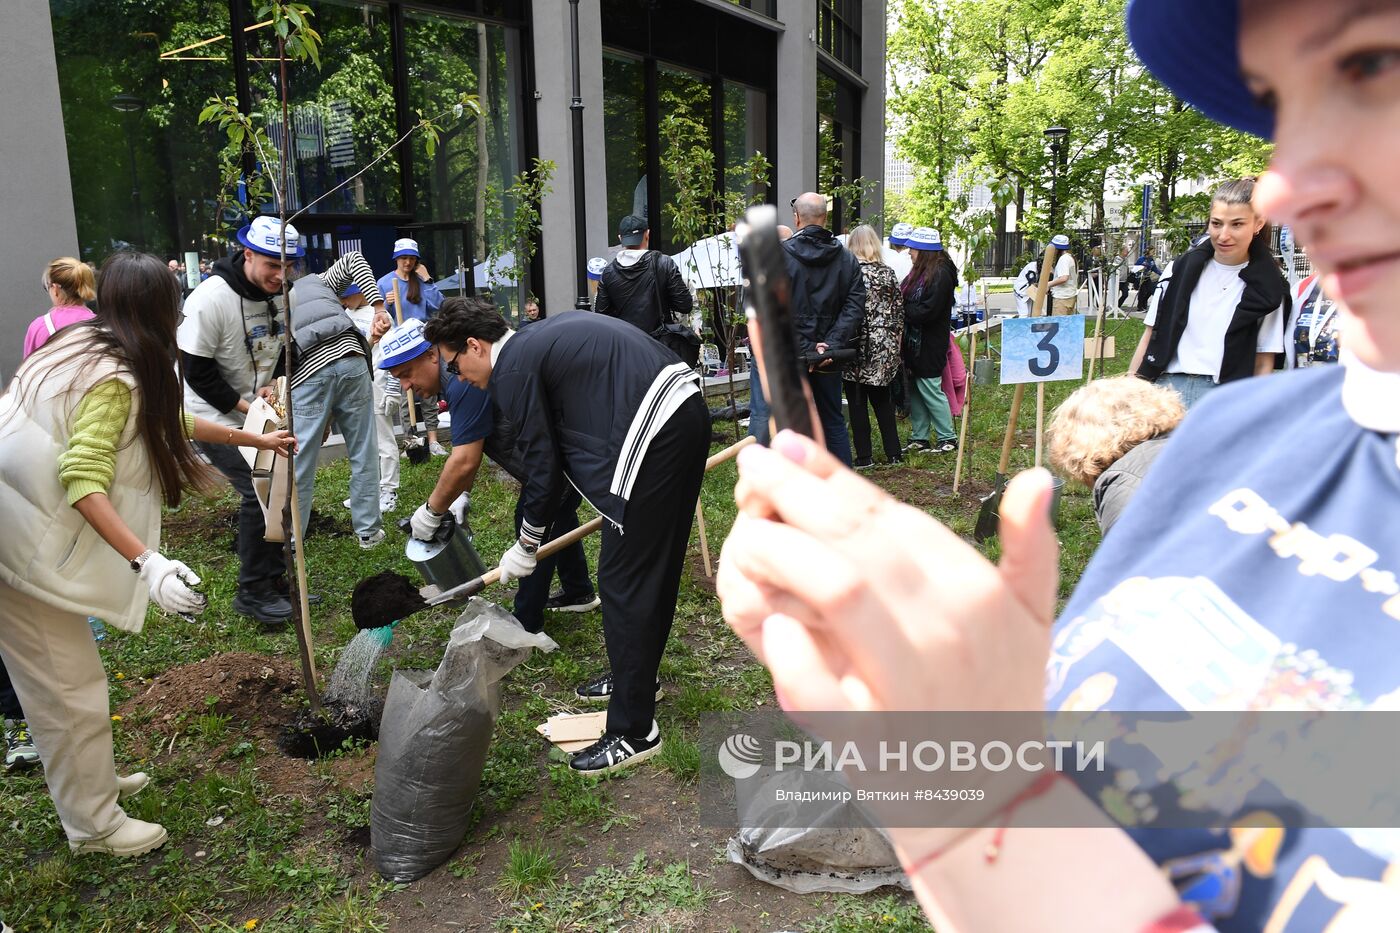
[[1042, 349]]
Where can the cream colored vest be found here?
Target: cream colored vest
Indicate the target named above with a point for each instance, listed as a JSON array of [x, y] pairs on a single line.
[[47, 549]]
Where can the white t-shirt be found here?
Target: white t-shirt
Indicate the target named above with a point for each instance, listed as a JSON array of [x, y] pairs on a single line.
[[899, 260], [1212, 308], [1064, 266], [237, 334], [1021, 288]]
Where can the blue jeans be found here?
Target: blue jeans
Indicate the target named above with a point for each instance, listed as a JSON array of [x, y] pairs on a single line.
[[758, 408], [342, 390], [1192, 388], [826, 391]]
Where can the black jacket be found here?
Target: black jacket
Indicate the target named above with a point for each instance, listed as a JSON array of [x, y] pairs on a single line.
[[648, 293], [928, 320], [1264, 290], [584, 393], [828, 291]]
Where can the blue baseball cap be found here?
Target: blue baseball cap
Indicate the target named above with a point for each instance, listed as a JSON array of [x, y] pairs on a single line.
[[596, 265], [264, 235], [1059, 241], [402, 343], [1174, 37], [899, 234], [351, 289], [924, 238]]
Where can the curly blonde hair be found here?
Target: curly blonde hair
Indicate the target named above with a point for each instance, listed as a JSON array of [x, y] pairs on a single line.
[[1104, 420]]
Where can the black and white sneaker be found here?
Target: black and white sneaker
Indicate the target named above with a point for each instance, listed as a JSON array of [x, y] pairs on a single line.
[[917, 446], [560, 602], [613, 752], [945, 447], [600, 689]]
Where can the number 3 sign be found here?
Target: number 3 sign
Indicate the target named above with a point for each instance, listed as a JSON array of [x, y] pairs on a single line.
[[1042, 349]]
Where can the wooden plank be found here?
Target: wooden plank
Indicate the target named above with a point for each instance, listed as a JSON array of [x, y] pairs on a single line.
[[1109, 348]]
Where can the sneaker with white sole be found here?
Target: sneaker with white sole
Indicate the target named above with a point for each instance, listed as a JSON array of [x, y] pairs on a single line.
[[388, 501], [369, 541], [600, 689], [437, 450], [20, 752], [132, 784], [559, 602], [614, 752], [134, 837]]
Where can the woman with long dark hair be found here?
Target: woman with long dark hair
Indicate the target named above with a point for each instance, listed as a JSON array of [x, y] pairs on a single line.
[[93, 441], [928, 319]]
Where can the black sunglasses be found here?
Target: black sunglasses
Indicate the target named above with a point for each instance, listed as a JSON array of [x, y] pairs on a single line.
[[451, 366]]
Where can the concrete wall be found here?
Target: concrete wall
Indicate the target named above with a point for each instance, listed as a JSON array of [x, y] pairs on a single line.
[[554, 82], [797, 102], [35, 190], [872, 108]]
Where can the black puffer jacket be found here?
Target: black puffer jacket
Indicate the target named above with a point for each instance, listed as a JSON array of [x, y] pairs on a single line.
[[828, 291], [928, 319], [634, 293]]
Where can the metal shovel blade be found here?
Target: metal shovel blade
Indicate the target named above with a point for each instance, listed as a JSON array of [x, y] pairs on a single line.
[[989, 515]]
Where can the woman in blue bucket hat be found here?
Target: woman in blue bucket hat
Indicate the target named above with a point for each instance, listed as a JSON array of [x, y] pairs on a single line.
[[1256, 570]]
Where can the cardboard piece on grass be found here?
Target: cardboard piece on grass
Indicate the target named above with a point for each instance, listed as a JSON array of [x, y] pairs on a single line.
[[573, 732]]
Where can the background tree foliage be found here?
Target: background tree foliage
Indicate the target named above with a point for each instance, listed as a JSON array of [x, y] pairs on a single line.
[[974, 84]]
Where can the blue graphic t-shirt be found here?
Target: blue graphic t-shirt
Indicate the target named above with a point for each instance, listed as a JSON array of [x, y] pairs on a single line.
[[1257, 568]]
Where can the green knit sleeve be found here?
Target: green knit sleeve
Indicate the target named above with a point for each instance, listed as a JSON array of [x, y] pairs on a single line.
[[90, 461]]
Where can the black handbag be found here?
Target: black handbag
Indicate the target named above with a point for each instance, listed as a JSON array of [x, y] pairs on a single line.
[[680, 339]]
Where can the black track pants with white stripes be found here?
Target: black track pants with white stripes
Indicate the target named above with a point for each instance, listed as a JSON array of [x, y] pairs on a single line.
[[639, 571]]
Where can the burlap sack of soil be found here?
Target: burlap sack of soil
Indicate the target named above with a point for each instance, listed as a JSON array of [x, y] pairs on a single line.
[[433, 742]]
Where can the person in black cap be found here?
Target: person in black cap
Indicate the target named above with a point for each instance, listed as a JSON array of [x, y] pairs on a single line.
[[642, 286]]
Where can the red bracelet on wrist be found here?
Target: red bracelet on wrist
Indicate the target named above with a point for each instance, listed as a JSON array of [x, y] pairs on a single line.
[[1183, 919], [1041, 785]]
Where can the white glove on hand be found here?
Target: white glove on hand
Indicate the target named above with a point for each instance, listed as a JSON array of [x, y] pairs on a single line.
[[425, 523], [516, 563], [170, 582], [460, 507]]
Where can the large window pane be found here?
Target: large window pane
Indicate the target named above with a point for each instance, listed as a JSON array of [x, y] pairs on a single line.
[[624, 129], [341, 115], [474, 159], [685, 106], [745, 133], [144, 172]]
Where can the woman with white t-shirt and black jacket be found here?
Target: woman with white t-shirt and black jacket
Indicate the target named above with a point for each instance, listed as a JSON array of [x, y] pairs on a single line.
[[1219, 310]]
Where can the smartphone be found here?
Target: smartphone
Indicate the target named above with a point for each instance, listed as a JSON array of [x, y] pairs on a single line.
[[767, 305]]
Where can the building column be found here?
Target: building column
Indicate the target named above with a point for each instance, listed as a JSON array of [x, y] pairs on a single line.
[[553, 51], [872, 107], [796, 103], [35, 186]]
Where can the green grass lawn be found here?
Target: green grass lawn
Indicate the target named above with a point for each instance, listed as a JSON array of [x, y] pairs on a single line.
[[256, 836]]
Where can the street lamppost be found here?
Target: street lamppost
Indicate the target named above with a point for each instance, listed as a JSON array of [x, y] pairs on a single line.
[[580, 213], [130, 104], [1056, 134]]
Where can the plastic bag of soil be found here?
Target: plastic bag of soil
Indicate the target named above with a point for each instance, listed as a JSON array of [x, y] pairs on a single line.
[[847, 855], [433, 742]]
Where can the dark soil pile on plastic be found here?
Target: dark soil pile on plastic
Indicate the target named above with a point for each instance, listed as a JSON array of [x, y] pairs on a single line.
[[384, 599]]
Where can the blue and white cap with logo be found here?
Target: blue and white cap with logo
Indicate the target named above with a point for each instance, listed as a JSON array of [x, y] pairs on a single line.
[[1059, 241], [402, 343], [596, 265], [899, 234], [351, 289], [405, 246], [924, 238], [264, 235]]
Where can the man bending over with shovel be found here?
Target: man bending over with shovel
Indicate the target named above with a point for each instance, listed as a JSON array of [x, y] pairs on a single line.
[[604, 407]]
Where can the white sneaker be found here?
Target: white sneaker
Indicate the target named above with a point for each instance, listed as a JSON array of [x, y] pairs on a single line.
[[370, 540], [437, 450], [134, 837], [132, 784], [388, 501]]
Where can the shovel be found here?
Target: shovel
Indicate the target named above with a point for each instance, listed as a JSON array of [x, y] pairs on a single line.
[[989, 515]]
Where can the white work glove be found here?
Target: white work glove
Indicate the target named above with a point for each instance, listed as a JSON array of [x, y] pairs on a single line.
[[425, 523], [516, 563], [460, 507], [170, 582]]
